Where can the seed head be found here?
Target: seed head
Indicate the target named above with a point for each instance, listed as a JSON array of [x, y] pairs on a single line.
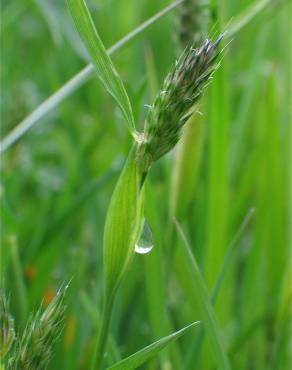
[[33, 349], [176, 101], [7, 334]]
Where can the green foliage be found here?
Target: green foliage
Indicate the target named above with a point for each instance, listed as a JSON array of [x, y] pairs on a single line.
[[102, 62], [79, 79], [58, 178], [193, 26], [193, 22], [6, 327], [182, 88], [33, 349], [123, 224], [145, 354], [185, 172], [203, 302]]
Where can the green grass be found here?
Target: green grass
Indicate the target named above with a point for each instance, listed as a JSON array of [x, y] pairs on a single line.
[[58, 178]]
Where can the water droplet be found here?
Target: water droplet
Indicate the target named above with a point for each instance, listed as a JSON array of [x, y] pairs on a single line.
[[145, 241]]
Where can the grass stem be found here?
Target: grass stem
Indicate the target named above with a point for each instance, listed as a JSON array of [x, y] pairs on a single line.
[[21, 304], [100, 346]]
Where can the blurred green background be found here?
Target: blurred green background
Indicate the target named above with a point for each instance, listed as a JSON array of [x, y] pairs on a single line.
[[56, 182]]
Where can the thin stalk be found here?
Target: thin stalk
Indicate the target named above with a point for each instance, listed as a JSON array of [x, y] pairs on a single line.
[[18, 283], [103, 333], [95, 317]]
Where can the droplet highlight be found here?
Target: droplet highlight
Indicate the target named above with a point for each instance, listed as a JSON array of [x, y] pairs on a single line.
[[145, 242]]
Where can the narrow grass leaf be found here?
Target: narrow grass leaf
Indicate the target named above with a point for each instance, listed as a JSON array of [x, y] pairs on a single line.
[[102, 62], [94, 316], [139, 358], [18, 284], [81, 199], [185, 172], [122, 228], [194, 348], [155, 283], [75, 82], [122, 225], [246, 16], [83, 76], [203, 301]]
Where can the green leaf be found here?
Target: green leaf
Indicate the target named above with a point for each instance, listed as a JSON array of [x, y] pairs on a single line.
[[185, 172], [102, 62], [83, 76], [123, 223], [200, 292], [239, 22], [139, 358]]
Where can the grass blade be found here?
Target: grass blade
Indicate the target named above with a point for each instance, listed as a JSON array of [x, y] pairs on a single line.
[[229, 253], [203, 302], [139, 358], [74, 83], [94, 316], [102, 62], [18, 283], [194, 348], [122, 224], [45, 107], [246, 16], [83, 76], [156, 284], [121, 231]]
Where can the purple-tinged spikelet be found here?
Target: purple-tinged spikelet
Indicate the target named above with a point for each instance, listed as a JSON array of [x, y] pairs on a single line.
[[176, 101]]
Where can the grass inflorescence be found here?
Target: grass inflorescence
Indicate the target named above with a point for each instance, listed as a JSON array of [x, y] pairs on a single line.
[[171, 109], [33, 349], [177, 99], [6, 326], [213, 263]]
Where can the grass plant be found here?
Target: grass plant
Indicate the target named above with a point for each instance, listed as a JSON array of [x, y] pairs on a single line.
[[200, 185]]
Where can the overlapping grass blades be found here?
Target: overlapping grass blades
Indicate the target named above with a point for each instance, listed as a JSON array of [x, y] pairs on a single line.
[[82, 77]]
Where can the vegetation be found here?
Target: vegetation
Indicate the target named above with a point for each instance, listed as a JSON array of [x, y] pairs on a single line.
[[207, 218]]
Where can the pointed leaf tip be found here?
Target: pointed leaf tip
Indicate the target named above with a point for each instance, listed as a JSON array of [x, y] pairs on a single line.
[[139, 358]]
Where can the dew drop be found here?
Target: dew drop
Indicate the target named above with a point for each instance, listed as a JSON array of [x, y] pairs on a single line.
[[145, 241]]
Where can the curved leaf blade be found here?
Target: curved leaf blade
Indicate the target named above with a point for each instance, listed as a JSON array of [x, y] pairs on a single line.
[[200, 294], [80, 78], [101, 60], [139, 358]]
